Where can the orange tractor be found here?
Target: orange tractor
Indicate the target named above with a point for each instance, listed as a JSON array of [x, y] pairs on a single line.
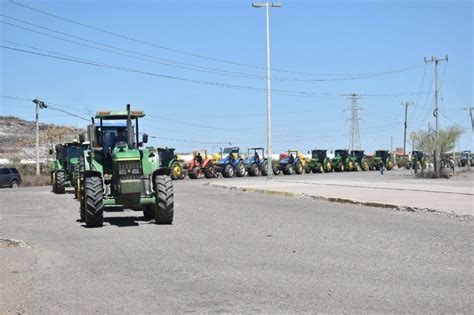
[[200, 164]]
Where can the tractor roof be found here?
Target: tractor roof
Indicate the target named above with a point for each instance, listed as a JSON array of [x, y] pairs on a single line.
[[119, 114], [256, 148]]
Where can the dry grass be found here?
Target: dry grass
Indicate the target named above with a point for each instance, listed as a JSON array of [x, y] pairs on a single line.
[[32, 180]]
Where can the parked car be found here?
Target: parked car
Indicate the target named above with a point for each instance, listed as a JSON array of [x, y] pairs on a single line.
[[9, 177]]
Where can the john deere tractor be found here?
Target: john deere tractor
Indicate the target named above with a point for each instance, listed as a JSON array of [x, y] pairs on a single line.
[[170, 160], [117, 170], [231, 163], [319, 162], [361, 159], [63, 166], [381, 157], [418, 160], [343, 161], [291, 162]]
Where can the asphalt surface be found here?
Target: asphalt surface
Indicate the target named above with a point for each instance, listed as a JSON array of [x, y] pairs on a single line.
[[232, 251]]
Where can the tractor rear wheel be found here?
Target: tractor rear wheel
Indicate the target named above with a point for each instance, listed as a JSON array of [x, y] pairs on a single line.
[[299, 168], [228, 171], [175, 170], [195, 173], [94, 207], [164, 200], [149, 212], [289, 169], [60, 183], [210, 170], [276, 170], [240, 169], [254, 170]]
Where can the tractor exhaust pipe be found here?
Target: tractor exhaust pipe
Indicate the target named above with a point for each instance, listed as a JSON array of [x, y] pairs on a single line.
[[129, 128]]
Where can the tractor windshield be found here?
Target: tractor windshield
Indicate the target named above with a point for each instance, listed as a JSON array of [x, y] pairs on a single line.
[[318, 154], [111, 136], [358, 154], [74, 151], [341, 153], [382, 154]]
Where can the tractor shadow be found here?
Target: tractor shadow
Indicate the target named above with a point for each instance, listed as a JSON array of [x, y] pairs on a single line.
[[122, 221]]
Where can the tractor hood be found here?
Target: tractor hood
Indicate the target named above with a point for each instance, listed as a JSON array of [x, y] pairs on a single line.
[[126, 154]]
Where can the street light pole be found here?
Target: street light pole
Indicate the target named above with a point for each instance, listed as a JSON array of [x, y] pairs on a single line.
[[39, 104], [269, 96]]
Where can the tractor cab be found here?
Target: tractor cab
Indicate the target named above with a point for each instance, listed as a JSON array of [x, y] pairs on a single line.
[[344, 154], [255, 155], [231, 153], [319, 154], [69, 154], [166, 155], [417, 155], [383, 154], [359, 154]]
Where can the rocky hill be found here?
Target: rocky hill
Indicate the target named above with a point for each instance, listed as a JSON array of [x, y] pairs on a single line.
[[18, 138]]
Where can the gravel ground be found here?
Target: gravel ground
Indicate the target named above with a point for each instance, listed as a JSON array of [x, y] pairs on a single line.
[[231, 251]]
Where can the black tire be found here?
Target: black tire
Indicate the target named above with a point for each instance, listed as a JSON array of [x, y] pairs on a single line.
[[164, 200], [289, 169], [264, 168], [228, 171], [254, 170], [209, 170], [299, 168], [340, 167], [240, 169], [149, 212], [307, 170], [315, 169], [94, 207], [195, 173], [276, 170], [14, 184], [60, 183]]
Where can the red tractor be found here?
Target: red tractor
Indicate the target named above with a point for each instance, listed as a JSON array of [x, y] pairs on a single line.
[[200, 164]]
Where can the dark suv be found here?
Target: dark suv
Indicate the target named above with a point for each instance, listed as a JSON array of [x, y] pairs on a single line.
[[9, 177]]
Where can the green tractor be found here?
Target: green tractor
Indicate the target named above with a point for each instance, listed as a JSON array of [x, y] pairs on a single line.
[[118, 170], [381, 157], [64, 165], [319, 162], [170, 160], [343, 161], [361, 159]]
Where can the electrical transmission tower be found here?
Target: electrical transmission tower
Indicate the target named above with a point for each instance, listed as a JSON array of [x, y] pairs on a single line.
[[354, 137]]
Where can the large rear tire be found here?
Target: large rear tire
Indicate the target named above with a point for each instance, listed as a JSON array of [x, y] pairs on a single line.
[[60, 183], [164, 200], [264, 168], [299, 168], [240, 169], [195, 173], [94, 207]]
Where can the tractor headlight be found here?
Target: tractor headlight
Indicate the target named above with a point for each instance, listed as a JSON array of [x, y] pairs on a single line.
[[122, 172], [135, 171]]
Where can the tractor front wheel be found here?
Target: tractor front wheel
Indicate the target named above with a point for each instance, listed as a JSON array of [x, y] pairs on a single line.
[[307, 169], [228, 171], [264, 168], [240, 169], [60, 183], [276, 170], [210, 170], [164, 200], [289, 169], [254, 170], [94, 207]]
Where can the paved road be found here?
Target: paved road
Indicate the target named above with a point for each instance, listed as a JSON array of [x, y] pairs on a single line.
[[231, 251]]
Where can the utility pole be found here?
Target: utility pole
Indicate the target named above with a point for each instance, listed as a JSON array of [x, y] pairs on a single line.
[[39, 104], [436, 110], [354, 137], [470, 115], [406, 104], [267, 5]]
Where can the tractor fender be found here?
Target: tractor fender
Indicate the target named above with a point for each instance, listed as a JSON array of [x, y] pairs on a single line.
[[161, 171], [237, 161], [92, 173]]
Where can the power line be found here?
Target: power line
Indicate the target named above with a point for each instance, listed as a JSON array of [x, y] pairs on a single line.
[[183, 52], [209, 83]]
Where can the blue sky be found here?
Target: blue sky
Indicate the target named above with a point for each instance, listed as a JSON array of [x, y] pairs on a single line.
[[329, 39]]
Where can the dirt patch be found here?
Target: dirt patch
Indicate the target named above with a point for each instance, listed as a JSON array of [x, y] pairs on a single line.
[[9, 243]]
